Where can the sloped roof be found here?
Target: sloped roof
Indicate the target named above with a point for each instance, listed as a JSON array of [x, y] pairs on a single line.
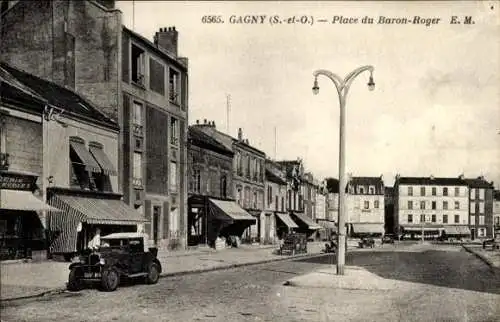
[[431, 181], [270, 176], [362, 181], [58, 96], [201, 139], [478, 183], [287, 166]]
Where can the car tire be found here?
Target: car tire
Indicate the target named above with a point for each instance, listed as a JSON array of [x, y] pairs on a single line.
[[153, 274], [75, 282], [110, 280]]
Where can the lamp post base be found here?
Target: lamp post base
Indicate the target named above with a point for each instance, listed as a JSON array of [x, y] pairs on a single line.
[[341, 254]]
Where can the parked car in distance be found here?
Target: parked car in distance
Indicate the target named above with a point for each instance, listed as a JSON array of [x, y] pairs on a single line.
[[388, 239], [121, 255], [494, 243], [367, 242]]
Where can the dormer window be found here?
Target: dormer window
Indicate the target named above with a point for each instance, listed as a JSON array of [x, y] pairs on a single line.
[[371, 190]]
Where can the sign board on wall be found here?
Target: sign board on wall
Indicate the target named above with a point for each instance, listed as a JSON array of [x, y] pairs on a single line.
[[16, 181]]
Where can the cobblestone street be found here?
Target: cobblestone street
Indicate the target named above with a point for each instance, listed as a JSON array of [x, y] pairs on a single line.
[[436, 283]]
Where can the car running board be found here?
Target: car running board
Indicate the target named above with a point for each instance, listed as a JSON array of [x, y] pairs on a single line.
[[137, 275]]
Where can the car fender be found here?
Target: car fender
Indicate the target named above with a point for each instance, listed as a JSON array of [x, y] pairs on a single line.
[[157, 262]]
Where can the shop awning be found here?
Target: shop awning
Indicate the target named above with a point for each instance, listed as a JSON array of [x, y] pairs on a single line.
[[287, 220], [103, 160], [22, 200], [327, 224], [85, 156], [368, 228], [425, 228], [308, 221], [457, 230], [226, 208]]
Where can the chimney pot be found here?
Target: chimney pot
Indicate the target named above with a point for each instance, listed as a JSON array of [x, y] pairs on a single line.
[[197, 121], [240, 134], [204, 121], [173, 28]]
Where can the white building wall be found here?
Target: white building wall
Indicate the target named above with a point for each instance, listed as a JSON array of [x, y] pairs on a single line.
[[358, 213], [320, 206]]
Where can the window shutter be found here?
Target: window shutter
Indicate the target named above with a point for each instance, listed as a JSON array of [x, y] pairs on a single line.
[[166, 219], [147, 215], [125, 59]]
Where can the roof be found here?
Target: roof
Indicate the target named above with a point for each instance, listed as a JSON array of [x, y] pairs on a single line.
[[153, 47], [201, 139], [125, 235], [430, 181], [270, 176], [288, 165], [478, 183], [361, 181], [57, 96]]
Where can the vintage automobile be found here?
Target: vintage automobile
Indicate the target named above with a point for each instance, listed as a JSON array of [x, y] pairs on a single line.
[[494, 243], [388, 239], [367, 242], [120, 255]]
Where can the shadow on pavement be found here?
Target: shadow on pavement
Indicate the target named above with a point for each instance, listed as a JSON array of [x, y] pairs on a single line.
[[434, 267]]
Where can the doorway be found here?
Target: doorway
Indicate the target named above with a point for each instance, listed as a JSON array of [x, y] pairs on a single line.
[[156, 223], [473, 233]]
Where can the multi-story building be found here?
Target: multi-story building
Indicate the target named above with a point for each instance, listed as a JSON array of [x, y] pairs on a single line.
[[389, 209], [142, 85], [76, 148], [332, 199], [365, 206], [248, 174], [432, 206], [496, 212], [276, 221], [213, 212], [294, 171], [480, 208], [309, 189]]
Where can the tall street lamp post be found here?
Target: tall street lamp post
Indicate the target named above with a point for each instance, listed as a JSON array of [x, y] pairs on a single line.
[[342, 86]]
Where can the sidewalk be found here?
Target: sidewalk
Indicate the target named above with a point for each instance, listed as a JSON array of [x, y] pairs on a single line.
[[490, 257], [22, 280]]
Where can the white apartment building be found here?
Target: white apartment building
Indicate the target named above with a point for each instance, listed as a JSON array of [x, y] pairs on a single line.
[[434, 206]]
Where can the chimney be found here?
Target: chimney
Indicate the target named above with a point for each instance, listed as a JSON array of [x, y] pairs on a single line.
[[240, 134], [481, 177], [431, 177], [197, 122], [213, 124], [110, 4], [205, 121], [461, 176], [166, 39]]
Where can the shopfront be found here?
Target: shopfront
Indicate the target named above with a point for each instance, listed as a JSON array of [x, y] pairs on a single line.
[[22, 231]]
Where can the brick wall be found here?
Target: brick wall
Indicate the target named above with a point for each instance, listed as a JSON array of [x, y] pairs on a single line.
[[24, 144]]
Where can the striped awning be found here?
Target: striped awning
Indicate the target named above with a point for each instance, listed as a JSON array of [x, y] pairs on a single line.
[[327, 224], [85, 156], [457, 230], [368, 228], [78, 209], [287, 220], [307, 221], [231, 209], [22, 200], [418, 228], [103, 160]]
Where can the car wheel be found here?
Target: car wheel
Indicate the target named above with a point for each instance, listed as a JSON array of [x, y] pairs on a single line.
[[75, 282], [110, 280], [153, 274]]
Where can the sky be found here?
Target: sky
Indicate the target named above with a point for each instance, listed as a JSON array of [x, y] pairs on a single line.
[[435, 109]]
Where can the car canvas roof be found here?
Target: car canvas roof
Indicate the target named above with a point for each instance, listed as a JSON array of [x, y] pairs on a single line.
[[124, 236]]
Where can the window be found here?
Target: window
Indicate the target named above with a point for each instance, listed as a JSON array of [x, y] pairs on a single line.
[[376, 204], [282, 203], [173, 86], [239, 198], [481, 220], [481, 207], [367, 204], [137, 119], [433, 205], [138, 67], [223, 186], [269, 195], [481, 232], [174, 131], [445, 205], [79, 175], [173, 176], [276, 203], [472, 207], [248, 166], [410, 191], [156, 77], [410, 218], [196, 181], [433, 218], [173, 223], [472, 194], [445, 191], [457, 219], [457, 204], [422, 191], [137, 171], [445, 219], [472, 220], [361, 190], [457, 191], [372, 190], [254, 206], [422, 218], [433, 191], [422, 204], [481, 194], [410, 204]]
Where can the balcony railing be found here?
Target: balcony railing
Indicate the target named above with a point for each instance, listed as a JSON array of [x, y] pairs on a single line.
[[4, 161]]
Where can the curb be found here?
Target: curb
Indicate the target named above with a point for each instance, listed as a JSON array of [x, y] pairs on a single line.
[[60, 290], [488, 262]]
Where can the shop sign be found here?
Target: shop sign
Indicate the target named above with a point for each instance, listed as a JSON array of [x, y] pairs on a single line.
[[13, 181]]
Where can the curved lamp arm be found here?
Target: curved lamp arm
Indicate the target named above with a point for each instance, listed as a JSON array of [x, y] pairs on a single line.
[[352, 75], [337, 81]]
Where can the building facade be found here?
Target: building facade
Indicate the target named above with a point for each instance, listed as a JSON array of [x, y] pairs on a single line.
[[432, 206], [496, 212], [142, 85], [480, 208], [389, 210], [310, 187], [365, 205]]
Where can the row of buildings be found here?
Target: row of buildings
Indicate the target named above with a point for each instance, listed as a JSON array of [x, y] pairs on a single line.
[[414, 206]]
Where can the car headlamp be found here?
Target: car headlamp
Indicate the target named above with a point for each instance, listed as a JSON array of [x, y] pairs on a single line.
[[102, 261]]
